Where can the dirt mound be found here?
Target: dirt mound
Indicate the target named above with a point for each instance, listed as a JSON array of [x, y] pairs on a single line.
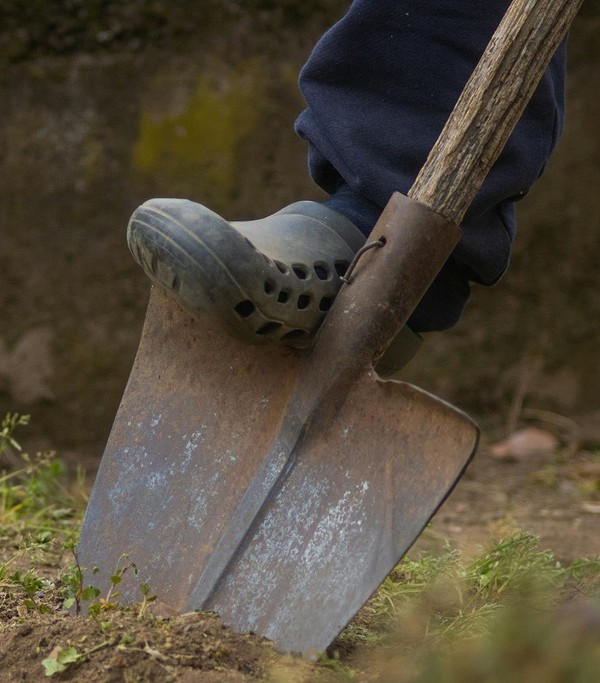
[[121, 646]]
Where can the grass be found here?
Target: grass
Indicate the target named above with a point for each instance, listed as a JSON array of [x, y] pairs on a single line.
[[35, 496], [513, 613], [40, 514]]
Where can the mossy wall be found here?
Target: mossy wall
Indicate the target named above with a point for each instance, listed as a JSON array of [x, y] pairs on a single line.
[[105, 104]]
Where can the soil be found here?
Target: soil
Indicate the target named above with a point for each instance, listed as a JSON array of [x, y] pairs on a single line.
[[554, 494], [194, 647]]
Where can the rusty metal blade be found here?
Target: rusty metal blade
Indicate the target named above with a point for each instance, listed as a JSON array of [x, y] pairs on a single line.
[[191, 434], [363, 486], [210, 429]]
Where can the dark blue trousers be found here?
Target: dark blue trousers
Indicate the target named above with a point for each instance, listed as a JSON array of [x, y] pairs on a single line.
[[379, 87]]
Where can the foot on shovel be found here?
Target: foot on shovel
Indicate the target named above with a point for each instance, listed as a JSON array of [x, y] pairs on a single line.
[[264, 281]]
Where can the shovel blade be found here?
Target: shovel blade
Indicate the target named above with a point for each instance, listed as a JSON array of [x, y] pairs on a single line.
[[199, 413], [362, 489]]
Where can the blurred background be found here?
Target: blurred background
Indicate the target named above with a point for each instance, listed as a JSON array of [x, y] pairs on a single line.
[[105, 103]]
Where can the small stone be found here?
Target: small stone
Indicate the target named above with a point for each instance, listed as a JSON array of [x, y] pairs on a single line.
[[592, 508], [524, 443]]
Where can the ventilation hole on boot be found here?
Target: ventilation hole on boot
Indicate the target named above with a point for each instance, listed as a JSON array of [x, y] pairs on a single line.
[[176, 284], [325, 303], [269, 327], [322, 271], [154, 264], [341, 267], [269, 286], [294, 335], [303, 301], [300, 270], [281, 267], [283, 297], [245, 308]]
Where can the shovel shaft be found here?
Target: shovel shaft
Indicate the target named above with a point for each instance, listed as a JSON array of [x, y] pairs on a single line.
[[491, 104]]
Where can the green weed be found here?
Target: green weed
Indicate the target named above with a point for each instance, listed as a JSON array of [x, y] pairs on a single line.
[[71, 580], [33, 495], [60, 659], [10, 423], [38, 514]]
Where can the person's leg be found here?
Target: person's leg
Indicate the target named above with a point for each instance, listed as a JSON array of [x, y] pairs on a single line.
[[379, 87]]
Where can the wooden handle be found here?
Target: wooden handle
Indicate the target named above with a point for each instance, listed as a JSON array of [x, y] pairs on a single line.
[[491, 104]]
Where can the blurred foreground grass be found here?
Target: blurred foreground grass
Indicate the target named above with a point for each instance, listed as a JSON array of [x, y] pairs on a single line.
[[511, 614]]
